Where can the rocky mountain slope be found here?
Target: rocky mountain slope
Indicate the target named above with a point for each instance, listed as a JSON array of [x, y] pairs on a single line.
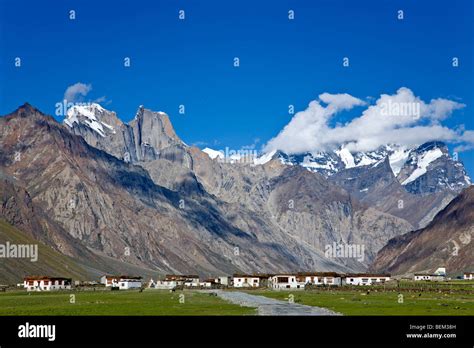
[[52, 262], [115, 209], [410, 183], [24, 222], [377, 186], [251, 188], [448, 241], [376, 179], [424, 169], [136, 194]]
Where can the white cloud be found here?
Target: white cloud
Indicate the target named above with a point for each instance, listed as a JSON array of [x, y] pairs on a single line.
[[468, 142], [401, 118], [76, 91], [443, 108], [340, 101], [103, 100]]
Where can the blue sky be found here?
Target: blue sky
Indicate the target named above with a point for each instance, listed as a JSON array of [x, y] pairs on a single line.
[[190, 61]]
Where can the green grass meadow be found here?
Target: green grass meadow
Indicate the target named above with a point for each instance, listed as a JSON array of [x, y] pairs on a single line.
[[348, 301], [129, 303], [359, 302]]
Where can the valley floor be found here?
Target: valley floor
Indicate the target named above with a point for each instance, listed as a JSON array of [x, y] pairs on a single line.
[[324, 301], [129, 303], [271, 306], [362, 302]]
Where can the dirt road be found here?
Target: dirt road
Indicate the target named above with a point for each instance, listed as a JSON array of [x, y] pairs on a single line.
[[269, 306]]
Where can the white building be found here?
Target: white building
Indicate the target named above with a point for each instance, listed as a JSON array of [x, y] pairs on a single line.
[[107, 280], [123, 282], [223, 280], [366, 279], [208, 283], [421, 276], [45, 283], [285, 281], [172, 281], [161, 284], [468, 276], [319, 278], [250, 280], [428, 277], [129, 282]]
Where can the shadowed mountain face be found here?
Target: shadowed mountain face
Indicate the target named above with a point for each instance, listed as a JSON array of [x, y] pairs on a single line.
[[24, 222], [446, 242], [137, 195], [114, 208], [377, 186], [252, 189]]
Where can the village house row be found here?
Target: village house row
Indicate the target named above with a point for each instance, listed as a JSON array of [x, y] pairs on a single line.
[[273, 281]]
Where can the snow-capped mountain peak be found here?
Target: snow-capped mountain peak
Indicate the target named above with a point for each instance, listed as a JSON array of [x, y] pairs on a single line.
[[346, 157], [430, 168], [331, 162], [422, 161], [89, 115], [265, 158], [426, 168]]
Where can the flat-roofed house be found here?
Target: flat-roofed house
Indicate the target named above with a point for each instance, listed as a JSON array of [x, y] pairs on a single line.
[[285, 281], [320, 278], [192, 281], [468, 275], [366, 279], [188, 280], [422, 276], [46, 283], [208, 283], [129, 282], [107, 280], [428, 277], [162, 284], [223, 280], [123, 282], [250, 280]]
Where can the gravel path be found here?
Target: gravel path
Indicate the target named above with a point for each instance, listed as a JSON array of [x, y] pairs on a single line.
[[270, 306]]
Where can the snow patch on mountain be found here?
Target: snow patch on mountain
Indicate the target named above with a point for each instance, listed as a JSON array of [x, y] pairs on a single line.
[[423, 161], [398, 159], [213, 154], [308, 163], [87, 115], [331, 162], [346, 157], [264, 158]]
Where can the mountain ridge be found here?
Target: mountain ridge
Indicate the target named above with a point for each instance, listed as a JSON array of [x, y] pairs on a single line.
[[447, 241], [185, 212]]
